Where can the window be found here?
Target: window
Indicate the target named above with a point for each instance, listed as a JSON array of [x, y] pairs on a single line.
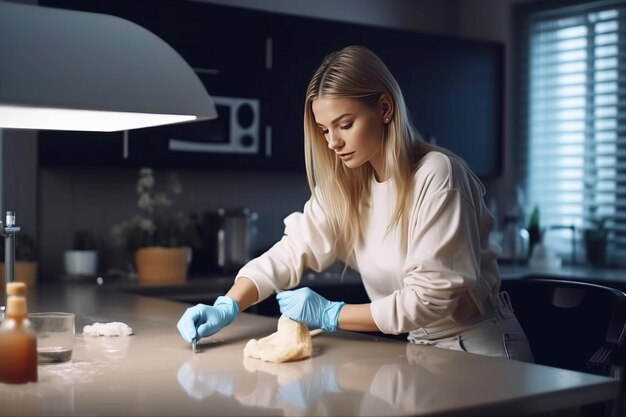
[[573, 155]]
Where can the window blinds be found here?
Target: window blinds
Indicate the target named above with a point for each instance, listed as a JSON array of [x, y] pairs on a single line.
[[573, 122]]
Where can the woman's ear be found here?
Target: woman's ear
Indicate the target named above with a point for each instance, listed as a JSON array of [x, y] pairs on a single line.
[[386, 107]]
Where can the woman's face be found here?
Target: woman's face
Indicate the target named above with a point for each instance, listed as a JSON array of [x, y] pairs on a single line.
[[353, 130]]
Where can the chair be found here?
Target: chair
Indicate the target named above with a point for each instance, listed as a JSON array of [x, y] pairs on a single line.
[[573, 325]]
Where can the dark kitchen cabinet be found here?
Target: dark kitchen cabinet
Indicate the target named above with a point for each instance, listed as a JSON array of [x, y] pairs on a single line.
[[228, 49], [81, 149], [225, 45], [453, 87], [151, 147], [454, 90], [299, 45]]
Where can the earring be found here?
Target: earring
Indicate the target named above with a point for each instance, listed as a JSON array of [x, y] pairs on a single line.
[[387, 120]]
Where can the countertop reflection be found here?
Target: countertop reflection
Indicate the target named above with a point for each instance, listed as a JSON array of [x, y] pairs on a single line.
[[154, 372], [392, 386]]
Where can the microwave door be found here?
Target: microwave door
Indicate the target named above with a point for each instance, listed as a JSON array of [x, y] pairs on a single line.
[[235, 131]]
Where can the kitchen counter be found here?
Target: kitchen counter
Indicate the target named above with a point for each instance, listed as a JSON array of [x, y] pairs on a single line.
[[153, 372], [335, 285], [331, 283], [604, 276]]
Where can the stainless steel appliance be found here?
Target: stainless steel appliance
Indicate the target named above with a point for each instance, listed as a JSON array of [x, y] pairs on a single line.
[[235, 238], [228, 241]]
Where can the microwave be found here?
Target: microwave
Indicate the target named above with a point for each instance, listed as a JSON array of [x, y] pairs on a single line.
[[235, 131]]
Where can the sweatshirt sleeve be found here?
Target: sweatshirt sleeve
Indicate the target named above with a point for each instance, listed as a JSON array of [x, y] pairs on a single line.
[[307, 243], [442, 263]]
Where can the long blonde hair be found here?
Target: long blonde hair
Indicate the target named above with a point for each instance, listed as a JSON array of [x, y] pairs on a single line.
[[355, 72]]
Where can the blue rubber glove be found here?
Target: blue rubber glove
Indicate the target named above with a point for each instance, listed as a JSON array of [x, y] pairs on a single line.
[[202, 320], [306, 306], [303, 393], [200, 385]]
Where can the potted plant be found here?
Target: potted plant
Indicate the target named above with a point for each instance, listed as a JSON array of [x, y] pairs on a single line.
[[534, 230], [25, 259], [159, 237], [82, 259], [595, 239]]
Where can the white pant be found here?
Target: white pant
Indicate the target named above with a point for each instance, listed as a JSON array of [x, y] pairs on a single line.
[[494, 334]]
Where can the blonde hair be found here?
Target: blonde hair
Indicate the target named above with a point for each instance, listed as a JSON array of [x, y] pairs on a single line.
[[357, 73]]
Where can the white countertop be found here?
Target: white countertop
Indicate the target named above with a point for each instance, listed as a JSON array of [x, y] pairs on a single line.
[[154, 372]]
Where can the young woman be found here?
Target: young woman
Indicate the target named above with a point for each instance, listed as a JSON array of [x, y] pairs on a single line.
[[408, 216]]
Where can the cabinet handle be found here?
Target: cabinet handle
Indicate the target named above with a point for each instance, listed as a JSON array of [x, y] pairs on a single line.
[[268, 141], [125, 145], [269, 53], [221, 248], [206, 71]]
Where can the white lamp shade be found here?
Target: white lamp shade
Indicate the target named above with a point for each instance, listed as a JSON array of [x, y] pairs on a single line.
[[71, 70]]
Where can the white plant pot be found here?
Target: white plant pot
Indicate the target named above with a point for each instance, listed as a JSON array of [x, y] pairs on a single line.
[[81, 262]]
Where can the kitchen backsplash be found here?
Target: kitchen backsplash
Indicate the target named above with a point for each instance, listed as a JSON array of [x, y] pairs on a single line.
[[85, 199]]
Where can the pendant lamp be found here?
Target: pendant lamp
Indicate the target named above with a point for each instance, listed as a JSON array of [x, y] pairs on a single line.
[[71, 70]]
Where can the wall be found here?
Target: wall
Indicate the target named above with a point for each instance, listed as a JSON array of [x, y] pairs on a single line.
[[95, 199], [18, 176]]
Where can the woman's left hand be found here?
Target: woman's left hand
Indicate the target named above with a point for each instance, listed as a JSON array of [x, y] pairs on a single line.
[[306, 306]]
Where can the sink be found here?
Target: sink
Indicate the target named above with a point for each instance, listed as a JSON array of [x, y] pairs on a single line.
[[203, 291]]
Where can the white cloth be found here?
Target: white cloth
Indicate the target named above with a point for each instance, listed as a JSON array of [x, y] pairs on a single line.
[[114, 328], [448, 274]]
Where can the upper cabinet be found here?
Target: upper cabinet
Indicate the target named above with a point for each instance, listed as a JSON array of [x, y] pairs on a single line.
[[258, 64], [228, 49], [452, 87]]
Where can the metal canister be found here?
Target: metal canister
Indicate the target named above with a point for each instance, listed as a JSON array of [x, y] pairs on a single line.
[[236, 238]]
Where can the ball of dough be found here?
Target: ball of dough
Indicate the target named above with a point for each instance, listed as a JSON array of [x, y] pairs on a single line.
[[290, 342]]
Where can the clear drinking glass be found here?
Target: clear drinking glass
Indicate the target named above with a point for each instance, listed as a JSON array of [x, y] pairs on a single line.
[[55, 336]]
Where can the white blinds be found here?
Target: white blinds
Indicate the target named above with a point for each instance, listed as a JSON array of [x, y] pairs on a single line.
[[574, 120]]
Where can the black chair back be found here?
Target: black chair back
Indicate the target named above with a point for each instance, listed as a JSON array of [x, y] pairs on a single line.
[[570, 324]]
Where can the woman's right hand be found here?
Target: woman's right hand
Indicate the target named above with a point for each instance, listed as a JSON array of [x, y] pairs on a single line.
[[202, 320]]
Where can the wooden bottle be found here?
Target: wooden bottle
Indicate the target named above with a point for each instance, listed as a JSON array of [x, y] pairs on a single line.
[[18, 342]]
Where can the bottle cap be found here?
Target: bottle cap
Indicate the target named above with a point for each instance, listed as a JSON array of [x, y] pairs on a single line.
[[16, 288], [16, 306]]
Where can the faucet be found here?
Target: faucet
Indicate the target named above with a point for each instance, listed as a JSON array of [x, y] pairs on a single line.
[[8, 230]]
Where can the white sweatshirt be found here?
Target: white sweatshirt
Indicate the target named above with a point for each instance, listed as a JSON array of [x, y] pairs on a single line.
[[448, 274]]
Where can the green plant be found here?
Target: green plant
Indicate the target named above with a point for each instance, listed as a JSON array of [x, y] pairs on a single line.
[[596, 230], [534, 229], [157, 224], [595, 239]]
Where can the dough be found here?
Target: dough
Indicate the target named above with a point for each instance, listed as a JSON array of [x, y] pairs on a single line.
[[115, 328], [291, 342]]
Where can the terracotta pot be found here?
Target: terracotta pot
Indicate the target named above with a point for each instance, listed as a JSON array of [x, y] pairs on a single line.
[[25, 271], [162, 265]]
